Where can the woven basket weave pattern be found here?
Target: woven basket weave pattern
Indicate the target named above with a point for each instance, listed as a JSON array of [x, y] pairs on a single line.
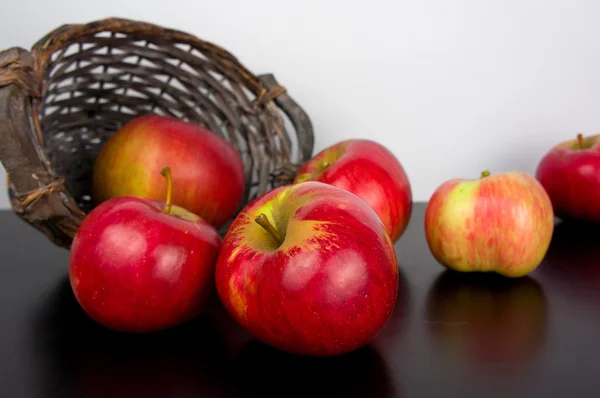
[[88, 80]]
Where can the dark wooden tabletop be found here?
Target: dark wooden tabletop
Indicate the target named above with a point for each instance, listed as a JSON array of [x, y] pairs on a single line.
[[452, 335]]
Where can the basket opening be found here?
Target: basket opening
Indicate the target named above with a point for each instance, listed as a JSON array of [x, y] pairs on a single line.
[[92, 87]]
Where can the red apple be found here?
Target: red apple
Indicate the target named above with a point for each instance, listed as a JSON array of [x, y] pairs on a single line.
[[309, 269], [370, 171], [499, 223], [141, 265], [570, 173], [208, 172]]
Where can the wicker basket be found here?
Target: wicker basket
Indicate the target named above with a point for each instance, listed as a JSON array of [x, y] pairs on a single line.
[[80, 83]]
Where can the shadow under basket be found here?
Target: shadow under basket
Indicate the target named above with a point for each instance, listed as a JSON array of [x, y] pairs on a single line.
[[79, 84]]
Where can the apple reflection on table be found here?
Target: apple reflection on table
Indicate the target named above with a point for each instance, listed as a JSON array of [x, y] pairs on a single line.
[[208, 356], [262, 371], [569, 172], [572, 263], [487, 318], [78, 357]]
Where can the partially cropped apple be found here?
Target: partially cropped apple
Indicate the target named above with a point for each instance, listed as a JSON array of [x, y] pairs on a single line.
[[570, 173], [140, 265], [370, 171], [308, 268], [208, 172], [499, 223]]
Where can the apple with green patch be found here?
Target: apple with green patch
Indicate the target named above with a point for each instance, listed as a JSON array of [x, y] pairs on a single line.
[[208, 172], [370, 171], [309, 268], [499, 223], [570, 173]]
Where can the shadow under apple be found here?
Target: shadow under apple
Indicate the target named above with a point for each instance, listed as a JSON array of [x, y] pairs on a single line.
[[487, 318], [80, 357], [263, 371], [398, 322], [572, 262]]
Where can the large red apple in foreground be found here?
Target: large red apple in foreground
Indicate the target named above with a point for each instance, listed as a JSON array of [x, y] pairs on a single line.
[[208, 172], [140, 265], [500, 223], [370, 171], [309, 269], [570, 173]]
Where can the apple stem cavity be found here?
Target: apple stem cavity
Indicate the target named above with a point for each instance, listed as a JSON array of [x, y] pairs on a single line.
[[580, 140], [264, 222], [166, 172], [485, 173]]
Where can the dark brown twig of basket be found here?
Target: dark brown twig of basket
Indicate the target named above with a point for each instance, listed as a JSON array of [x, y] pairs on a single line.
[[80, 83]]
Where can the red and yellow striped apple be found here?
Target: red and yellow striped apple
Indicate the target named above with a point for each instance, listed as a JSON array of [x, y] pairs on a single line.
[[499, 223], [370, 171], [308, 268], [208, 173], [570, 173]]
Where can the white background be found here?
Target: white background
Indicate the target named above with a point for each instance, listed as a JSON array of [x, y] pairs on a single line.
[[451, 87]]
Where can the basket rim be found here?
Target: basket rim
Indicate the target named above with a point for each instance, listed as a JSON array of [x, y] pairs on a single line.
[[68, 34], [41, 198]]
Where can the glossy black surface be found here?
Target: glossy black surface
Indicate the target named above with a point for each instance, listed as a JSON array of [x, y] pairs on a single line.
[[451, 335]]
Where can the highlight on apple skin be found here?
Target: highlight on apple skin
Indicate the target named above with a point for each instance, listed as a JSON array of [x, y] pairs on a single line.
[[499, 223], [370, 171], [208, 172], [308, 268], [140, 265], [570, 173]]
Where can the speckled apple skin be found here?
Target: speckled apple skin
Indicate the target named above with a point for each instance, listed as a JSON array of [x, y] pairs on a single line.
[[328, 289], [207, 171], [571, 177], [369, 170], [502, 223]]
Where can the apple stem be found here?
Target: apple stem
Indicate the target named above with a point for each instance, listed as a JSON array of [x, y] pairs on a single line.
[[485, 173], [264, 222], [580, 140], [166, 172]]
